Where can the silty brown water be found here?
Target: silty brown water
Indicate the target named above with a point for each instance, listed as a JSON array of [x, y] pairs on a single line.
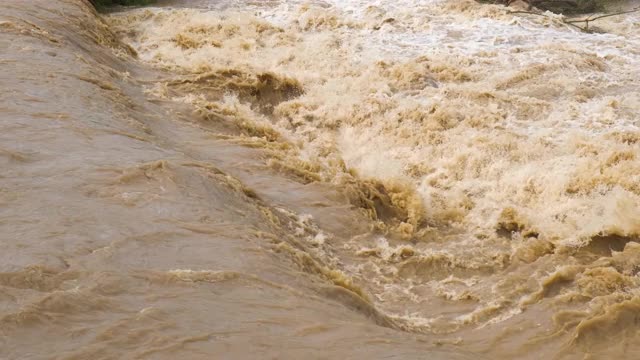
[[343, 179]]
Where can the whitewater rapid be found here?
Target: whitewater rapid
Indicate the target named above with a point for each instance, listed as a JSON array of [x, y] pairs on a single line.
[[354, 178]]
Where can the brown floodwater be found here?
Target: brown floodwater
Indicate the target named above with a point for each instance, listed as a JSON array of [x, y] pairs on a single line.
[[411, 179]]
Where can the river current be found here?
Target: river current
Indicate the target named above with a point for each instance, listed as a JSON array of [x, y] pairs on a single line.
[[325, 179]]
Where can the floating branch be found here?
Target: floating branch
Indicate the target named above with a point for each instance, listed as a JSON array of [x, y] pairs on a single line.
[[574, 22], [591, 18]]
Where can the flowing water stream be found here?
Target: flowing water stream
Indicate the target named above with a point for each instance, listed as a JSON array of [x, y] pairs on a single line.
[[327, 179]]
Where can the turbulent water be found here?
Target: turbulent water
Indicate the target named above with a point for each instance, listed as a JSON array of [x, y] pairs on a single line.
[[323, 179]]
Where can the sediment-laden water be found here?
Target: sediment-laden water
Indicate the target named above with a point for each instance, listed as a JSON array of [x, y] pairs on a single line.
[[327, 179]]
